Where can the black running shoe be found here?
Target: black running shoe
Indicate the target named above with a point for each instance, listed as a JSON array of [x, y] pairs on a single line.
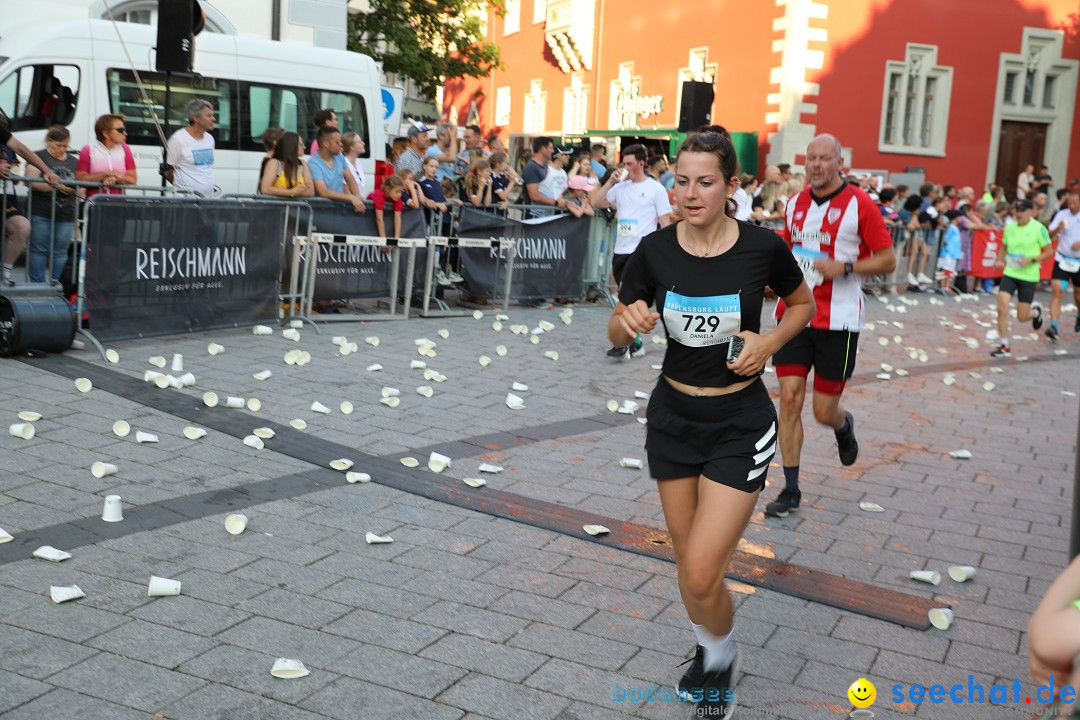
[[847, 444], [718, 690], [1052, 333], [1036, 316], [694, 674], [619, 353], [1001, 352], [1076, 327], [786, 503]]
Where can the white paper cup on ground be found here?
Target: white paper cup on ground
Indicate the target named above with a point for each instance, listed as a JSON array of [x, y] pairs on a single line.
[[519, 387], [437, 463], [164, 381], [632, 463], [186, 380], [374, 367], [484, 360], [291, 357], [151, 376], [254, 404], [961, 454], [262, 330], [102, 469], [62, 594], [113, 511], [357, 477], [145, 437], [393, 401], [234, 402], [410, 462], [5, 536], [346, 407], [177, 363], [112, 356], [489, 468], [162, 587], [373, 539], [551, 355], [291, 334], [298, 424], [48, 552], [194, 433], [425, 390], [417, 365], [514, 402], [339, 340], [961, 573], [263, 432], [612, 405], [477, 315], [932, 577], [288, 669], [341, 464], [215, 349], [210, 399], [262, 375], [500, 350], [595, 529], [941, 618], [83, 385], [475, 482], [158, 361], [23, 430], [235, 523], [29, 416], [372, 340], [254, 441]]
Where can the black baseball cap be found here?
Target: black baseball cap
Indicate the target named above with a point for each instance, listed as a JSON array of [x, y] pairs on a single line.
[[1024, 205], [563, 150]]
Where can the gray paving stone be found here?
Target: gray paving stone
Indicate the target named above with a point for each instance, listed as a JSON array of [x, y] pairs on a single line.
[[591, 685], [283, 640], [64, 703], [217, 588], [302, 610], [286, 576], [373, 569], [543, 609], [640, 633], [249, 671], [217, 702], [377, 598], [484, 657], [502, 700], [190, 614], [904, 640], [70, 621], [425, 558], [447, 587], [400, 671], [389, 632], [18, 690], [131, 683], [573, 646], [37, 656], [348, 698], [636, 605], [151, 643], [470, 620], [855, 656]]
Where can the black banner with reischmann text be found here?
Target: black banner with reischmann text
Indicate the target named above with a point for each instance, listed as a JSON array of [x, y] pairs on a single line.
[[360, 271], [164, 267], [549, 260]]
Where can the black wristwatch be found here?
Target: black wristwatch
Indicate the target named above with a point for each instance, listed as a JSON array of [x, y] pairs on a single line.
[[848, 268]]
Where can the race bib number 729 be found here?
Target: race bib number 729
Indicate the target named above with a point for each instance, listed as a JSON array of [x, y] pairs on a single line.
[[702, 321]]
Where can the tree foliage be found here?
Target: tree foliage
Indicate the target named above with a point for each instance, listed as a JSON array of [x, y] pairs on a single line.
[[427, 40]]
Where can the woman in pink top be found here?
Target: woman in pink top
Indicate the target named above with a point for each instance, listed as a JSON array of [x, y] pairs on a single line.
[[107, 160]]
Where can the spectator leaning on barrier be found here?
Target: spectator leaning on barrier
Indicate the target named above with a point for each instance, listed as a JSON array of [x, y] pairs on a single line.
[[287, 175], [412, 157], [501, 179], [478, 184], [16, 226], [474, 148], [578, 198], [52, 210], [191, 150], [270, 137], [536, 170], [392, 189], [354, 147], [330, 173], [556, 181], [107, 159]]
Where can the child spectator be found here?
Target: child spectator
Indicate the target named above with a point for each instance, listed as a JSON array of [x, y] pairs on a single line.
[[353, 147], [392, 188], [412, 194], [578, 197], [950, 252], [451, 192], [478, 184]]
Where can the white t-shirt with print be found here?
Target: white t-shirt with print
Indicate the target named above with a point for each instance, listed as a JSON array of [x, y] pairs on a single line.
[[555, 184], [638, 209], [192, 161], [1069, 223]]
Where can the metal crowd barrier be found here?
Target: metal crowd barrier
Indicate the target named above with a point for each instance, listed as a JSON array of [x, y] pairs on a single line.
[[436, 241], [395, 245], [905, 246]]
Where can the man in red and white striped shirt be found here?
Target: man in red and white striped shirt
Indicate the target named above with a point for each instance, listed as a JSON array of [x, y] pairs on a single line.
[[837, 235]]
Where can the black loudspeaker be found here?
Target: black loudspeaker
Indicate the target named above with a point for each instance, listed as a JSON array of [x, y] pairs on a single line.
[[696, 110], [35, 321], [179, 21]]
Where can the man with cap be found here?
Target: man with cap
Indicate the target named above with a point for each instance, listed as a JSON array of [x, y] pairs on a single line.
[[598, 150], [1024, 245], [412, 157], [555, 183]]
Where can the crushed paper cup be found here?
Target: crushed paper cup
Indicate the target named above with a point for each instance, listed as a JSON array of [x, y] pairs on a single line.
[[339, 340], [500, 350], [501, 316], [514, 402], [298, 324], [112, 356], [372, 340], [162, 587], [870, 507], [345, 350], [883, 341], [177, 363], [643, 421], [22, 430], [262, 375], [927, 576], [113, 509], [234, 402], [519, 387], [566, 319], [941, 618], [428, 352], [83, 385], [303, 358], [29, 416], [145, 437], [288, 669], [437, 463], [444, 333], [320, 408], [48, 552], [883, 376], [489, 468], [657, 340], [357, 477], [629, 406], [291, 357], [949, 380], [186, 380], [595, 529], [438, 377], [484, 360], [551, 355], [262, 330], [612, 405], [102, 469], [298, 424], [535, 340], [961, 573], [410, 462], [254, 441], [392, 401], [474, 482], [417, 365], [194, 433], [254, 404], [164, 381], [5, 536], [341, 464], [633, 463], [641, 395], [886, 367], [210, 399], [263, 432], [373, 539], [291, 334], [424, 342], [346, 407], [546, 326], [62, 594], [215, 349], [425, 390], [236, 523], [988, 386], [901, 372], [961, 454], [538, 331], [158, 361], [374, 367], [389, 392], [477, 315]]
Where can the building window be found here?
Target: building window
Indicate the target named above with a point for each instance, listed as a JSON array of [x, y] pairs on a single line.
[[512, 18], [1048, 92], [502, 106], [1010, 88], [575, 105], [1029, 88], [539, 11], [535, 108], [915, 103]]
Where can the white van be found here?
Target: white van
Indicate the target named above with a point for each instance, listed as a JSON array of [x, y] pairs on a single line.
[[74, 73]]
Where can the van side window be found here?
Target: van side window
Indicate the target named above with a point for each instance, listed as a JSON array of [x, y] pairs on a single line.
[[293, 109], [36, 96], [126, 99]]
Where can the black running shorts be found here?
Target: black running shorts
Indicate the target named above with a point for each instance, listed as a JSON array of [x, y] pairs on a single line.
[[1025, 290], [830, 352]]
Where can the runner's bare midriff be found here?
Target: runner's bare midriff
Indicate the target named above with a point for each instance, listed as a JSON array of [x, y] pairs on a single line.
[[708, 391]]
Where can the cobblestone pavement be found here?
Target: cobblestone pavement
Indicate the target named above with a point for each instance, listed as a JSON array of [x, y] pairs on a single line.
[[468, 615]]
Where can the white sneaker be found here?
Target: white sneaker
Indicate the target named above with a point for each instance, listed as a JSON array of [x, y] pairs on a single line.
[[911, 279], [923, 280], [441, 279]]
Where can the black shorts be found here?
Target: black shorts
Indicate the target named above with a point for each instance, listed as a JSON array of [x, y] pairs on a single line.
[[1060, 274], [830, 352], [1024, 289], [730, 439], [618, 264]]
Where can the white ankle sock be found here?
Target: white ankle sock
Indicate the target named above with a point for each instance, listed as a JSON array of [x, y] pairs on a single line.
[[719, 649]]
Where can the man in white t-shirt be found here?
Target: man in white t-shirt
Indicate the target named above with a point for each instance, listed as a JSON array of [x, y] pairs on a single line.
[[1065, 228], [555, 182], [191, 150], [641, 206]]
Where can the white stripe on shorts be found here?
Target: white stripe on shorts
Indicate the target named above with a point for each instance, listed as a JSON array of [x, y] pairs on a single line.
[[765, 438], [756, 473], [765, 454]]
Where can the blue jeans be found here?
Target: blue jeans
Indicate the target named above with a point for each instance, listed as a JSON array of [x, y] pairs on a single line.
[[48, 237]]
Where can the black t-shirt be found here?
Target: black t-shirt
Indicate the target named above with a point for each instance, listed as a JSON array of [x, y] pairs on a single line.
[[5, 135], [704, 301]]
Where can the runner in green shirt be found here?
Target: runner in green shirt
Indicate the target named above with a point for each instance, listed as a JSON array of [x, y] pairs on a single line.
[[1024, 245]]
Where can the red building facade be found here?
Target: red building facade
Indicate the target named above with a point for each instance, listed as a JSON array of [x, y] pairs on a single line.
[[965, 91]]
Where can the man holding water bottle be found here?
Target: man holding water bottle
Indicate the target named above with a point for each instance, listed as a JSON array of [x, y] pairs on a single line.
[[1065, 227]]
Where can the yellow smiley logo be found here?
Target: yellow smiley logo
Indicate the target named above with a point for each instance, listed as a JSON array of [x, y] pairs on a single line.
[[862, 693]]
